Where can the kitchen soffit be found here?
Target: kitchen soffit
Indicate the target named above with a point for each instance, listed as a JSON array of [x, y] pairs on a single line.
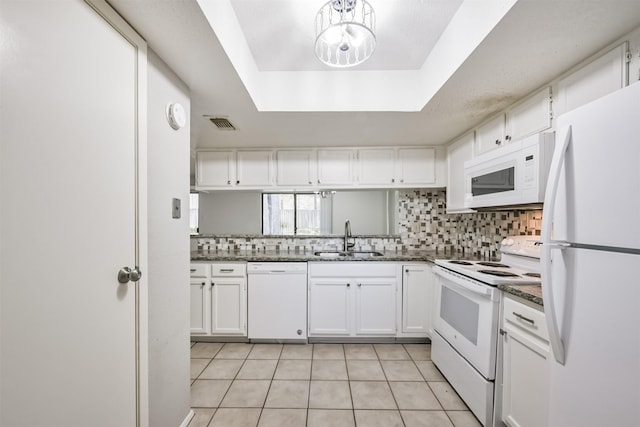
[[420, 45]]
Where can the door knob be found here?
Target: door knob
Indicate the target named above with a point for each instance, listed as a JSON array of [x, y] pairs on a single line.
[[126, 274]]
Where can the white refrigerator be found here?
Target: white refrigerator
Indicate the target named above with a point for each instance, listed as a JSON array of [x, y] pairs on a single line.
[[591, 264]]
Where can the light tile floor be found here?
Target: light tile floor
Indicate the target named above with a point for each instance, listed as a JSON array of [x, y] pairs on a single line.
[[321, 385]]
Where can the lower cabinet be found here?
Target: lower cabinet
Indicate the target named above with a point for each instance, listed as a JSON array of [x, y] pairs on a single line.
[[418, 286], [525, 365], [352, 299], [219, 300]]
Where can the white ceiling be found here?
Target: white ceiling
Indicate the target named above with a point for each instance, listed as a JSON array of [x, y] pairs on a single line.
[[533, 43], [280, 34]]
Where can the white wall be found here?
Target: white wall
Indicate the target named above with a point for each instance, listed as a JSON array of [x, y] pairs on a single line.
[[230, 212], [168, 177], [366, 210]]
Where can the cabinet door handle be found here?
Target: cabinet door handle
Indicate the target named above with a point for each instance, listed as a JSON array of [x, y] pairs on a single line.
[[359, 284], [309, 182], [212, 284], [393, 180], [203, 283], [348, 285], [507, 138], [193, 270], [526, 319], [229, 182], [226, 270], [318, 181], [498, 142], [238, 182]]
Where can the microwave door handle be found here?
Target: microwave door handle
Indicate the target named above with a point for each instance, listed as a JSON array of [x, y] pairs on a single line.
[[547, 245]]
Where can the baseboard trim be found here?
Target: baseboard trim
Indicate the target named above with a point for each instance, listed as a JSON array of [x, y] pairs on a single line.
[[188, 418]]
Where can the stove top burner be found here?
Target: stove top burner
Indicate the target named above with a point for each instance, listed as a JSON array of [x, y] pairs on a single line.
[[498, 273], [493, 264], [460, 262], [536, 275]]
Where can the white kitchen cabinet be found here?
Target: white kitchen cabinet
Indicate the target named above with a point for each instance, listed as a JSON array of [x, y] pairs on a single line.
[[215, 169], [296, 168], [374, 314], [329, 306], [376, 166], [416, 166], [490, 135], [229, 299], [254, 168], [335, 166], [228, 306], [531, 116], [458, 152], [218, 294], [525, 365], [199, 319], [599, 77], [418, 287], [355, 299]]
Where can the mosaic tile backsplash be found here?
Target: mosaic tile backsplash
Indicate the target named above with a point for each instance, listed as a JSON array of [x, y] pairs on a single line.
[[423, 224]]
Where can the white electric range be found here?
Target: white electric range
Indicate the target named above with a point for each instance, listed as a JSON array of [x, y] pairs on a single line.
[[464, 345]]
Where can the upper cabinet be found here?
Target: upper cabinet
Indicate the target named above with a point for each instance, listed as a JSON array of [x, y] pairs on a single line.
[[416, 166], [604, 75], [531, 116], [335, 166], [254, 168], [490, 135], [321, 168], [376, 166], [458, 152], [296, 168], [226, 169], [215, 168]]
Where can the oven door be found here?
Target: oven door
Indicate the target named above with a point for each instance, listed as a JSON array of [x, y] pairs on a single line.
[[467, 318]]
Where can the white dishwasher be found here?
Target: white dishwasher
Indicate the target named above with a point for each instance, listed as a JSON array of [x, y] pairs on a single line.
[[277, 301]]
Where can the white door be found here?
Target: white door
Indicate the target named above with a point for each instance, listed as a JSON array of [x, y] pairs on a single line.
[[73, 214], [335, 167], [417, 295], [377, 166], [228, 305], [417, 165], [200, 311], [296, 167], [375, 306], [329, 306], [254, 168], [215, 168]]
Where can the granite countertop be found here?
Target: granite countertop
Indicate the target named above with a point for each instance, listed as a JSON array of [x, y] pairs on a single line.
[[272, 256], [531, 293]]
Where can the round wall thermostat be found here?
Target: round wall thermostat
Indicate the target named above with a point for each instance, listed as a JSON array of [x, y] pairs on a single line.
[[176, 116]]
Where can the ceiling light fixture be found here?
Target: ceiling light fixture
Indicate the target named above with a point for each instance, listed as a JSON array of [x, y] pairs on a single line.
[[345, 33]]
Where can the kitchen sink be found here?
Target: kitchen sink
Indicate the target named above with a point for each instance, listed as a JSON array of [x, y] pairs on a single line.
[[330, 254], [365, 254]]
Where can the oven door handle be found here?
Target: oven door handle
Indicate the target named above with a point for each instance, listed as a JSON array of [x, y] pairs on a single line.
[[463, 282]]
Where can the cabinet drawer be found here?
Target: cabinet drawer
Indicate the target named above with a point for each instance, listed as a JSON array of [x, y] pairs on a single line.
[[352, 269], [229, 269], [525, 317], [199, 270]]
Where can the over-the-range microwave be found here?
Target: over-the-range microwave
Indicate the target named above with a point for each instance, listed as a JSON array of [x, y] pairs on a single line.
[[515, 174]]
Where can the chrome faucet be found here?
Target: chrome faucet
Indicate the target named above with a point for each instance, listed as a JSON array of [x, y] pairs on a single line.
[[347, 236]]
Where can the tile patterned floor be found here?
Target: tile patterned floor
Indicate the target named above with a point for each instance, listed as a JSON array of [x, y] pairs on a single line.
[[321, 385]]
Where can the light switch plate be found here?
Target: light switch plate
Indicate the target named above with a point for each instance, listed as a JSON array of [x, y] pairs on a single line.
[[175, 208]]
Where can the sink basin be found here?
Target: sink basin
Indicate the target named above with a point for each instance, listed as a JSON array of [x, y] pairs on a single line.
[[330, 254], [366, 254]]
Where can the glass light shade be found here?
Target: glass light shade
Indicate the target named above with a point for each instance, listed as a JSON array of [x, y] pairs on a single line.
[[345, 33]]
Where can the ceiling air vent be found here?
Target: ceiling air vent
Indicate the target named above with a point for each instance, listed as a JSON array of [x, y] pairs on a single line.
[[222, 123]]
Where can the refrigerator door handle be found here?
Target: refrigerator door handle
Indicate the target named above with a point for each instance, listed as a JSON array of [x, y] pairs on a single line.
[[551, 313]]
